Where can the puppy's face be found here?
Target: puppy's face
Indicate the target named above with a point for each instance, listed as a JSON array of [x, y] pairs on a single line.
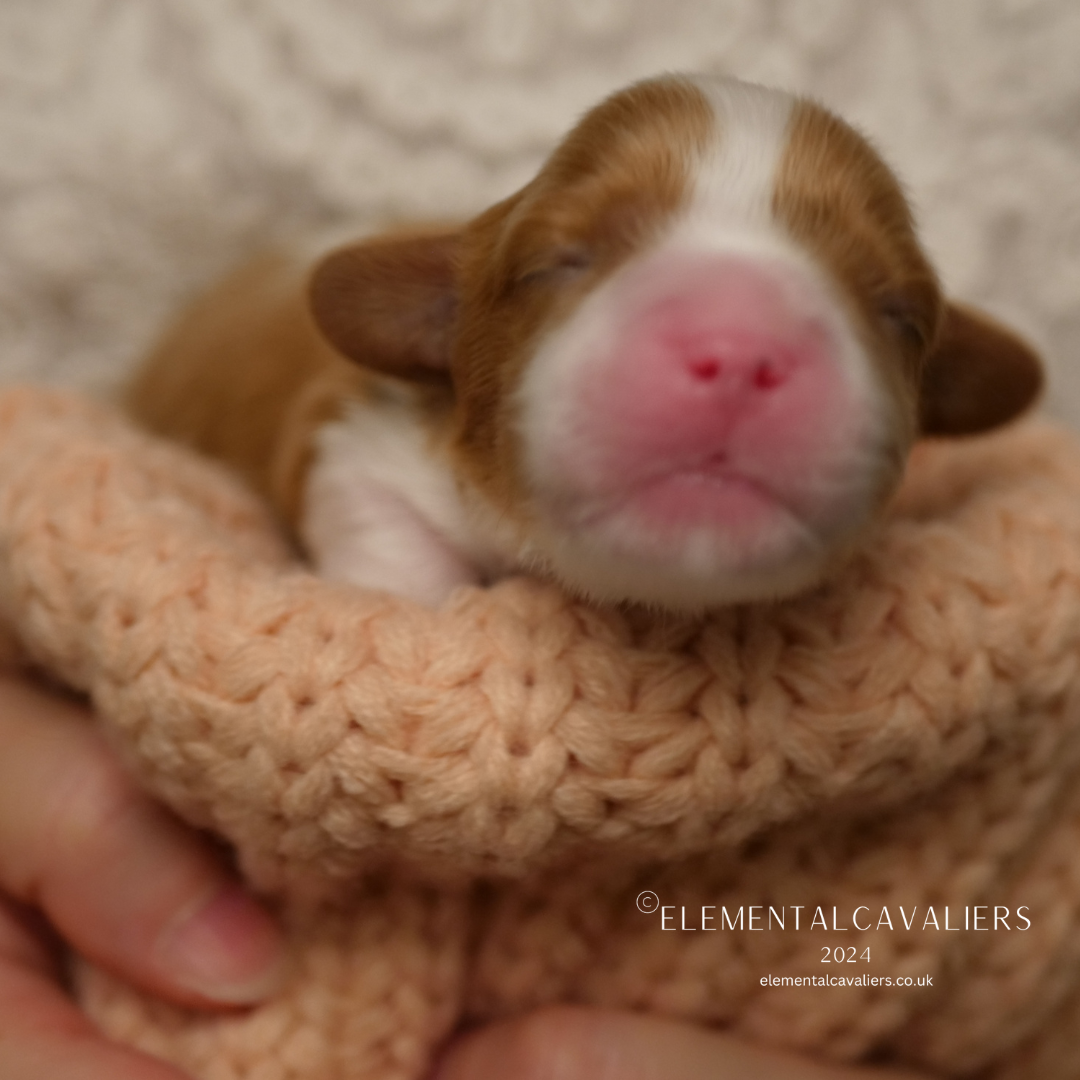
[[689, 359]]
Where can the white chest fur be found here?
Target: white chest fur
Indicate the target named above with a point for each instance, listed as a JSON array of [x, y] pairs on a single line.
[[383, 510]]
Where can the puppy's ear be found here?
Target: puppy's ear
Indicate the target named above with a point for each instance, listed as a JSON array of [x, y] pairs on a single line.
[[390, 303], [980, 375]]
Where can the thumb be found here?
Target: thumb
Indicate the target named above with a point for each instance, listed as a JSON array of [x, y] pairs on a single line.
[[119, 878]]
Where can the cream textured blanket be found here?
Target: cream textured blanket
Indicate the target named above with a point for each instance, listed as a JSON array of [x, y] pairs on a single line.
[[520, 799]]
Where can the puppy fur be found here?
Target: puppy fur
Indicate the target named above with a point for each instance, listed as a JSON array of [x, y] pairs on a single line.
[[683, 366]]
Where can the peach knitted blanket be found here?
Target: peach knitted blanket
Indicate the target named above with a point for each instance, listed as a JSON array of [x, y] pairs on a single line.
[[520, 799]]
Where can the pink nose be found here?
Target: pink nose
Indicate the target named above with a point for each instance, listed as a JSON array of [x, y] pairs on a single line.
[[717, 356], [761, 371], [696, 372]]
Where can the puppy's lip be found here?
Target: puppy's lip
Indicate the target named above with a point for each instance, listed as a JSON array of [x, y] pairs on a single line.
[[704, 492]]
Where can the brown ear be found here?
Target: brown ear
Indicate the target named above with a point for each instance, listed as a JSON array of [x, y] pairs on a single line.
[[390, 303], [979, 375]]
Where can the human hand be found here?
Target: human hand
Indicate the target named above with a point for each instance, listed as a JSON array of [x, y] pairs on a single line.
[[87, 860], [576, 1043]]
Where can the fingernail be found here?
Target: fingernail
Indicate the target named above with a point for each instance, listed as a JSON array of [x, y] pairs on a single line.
[[229, 950]]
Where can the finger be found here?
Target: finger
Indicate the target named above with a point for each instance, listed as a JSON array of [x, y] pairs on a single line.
[[573, 1043], [121, 880], [41, 1033]]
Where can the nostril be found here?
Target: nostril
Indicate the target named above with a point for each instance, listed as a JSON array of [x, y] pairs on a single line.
[[705, 368], [767, 375]]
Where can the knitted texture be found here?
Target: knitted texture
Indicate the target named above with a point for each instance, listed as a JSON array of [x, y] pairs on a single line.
[[456, 812]]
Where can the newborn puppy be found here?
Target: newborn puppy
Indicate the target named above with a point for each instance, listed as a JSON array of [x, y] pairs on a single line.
[[682, 367]]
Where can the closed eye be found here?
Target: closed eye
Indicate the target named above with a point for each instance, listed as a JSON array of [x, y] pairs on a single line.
[[555, 266], [905, 322]]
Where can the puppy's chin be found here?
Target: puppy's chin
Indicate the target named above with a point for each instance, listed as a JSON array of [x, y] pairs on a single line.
[[691, 536], [625, 554]]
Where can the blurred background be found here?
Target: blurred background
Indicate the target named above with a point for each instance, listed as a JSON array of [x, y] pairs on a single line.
[[147, 145]]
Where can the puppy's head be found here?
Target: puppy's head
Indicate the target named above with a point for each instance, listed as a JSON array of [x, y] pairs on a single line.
[[689, 358]]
